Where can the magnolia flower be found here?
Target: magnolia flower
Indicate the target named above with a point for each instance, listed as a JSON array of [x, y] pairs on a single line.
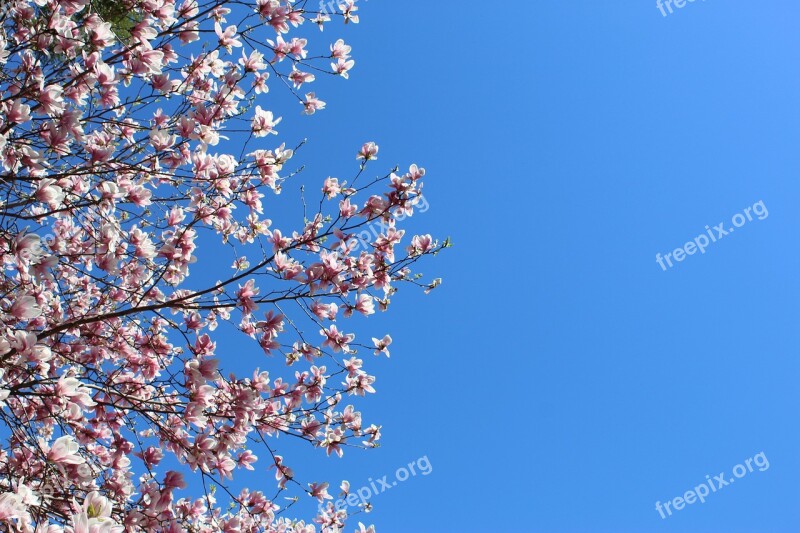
[[73, 389], [161, 140], [348, 9], [246, 459], [334, 439], [174, 480], [26, 495], [297, 47], [368, 152], [49, 193], [145, 62], [11, 507], [360, 384], [382, 345], [342, 67], [436, 282], [64, 451], [340, 50], [83, 523], [254, 62], [331, 187], [3, 49], [312, 104], [299, 77], [29, 247], [320, 20], [228, 38], [365, 304], [51, 100], [323, 311], [319, 491], [263, 123], [260, 82], [420, 244], [25, 308], [347, 209], [336, 340], [101, 35], [17, 112], [97, 506]]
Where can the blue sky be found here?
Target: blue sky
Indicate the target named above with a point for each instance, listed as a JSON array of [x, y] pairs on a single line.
[[560, 380]]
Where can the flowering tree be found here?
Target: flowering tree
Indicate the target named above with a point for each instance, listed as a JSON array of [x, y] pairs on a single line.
[[131, 132]]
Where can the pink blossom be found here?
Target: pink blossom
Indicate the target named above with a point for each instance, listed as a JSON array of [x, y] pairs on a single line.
[[348, 9], [382, 345], [312, 104], [260, 82], [64, 451], [340, 50], [347, 209], [333, 442], [331, 187], [16, 112], [254, 62], [51, 101], [25, 307], [161, 140], [297, 47], [49, 193], [335, 340], [245, 296], [227, 39], [263, 123], [360, 384], [420, 244], [342, 67], [319, 491], [246, 460], [11, 507], [72, 388], [97, 506], [174, 480], [324, 311], [299, 77], [368, 152], [146, 62], [320, 20], [365, 304]]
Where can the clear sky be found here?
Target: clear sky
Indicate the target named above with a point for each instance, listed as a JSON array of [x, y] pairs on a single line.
[[560, 380]]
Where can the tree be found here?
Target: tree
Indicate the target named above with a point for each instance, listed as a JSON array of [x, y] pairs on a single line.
[[127, 133]]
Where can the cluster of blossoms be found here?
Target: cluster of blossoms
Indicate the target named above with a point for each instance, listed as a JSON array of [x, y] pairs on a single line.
[[115, 116]]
